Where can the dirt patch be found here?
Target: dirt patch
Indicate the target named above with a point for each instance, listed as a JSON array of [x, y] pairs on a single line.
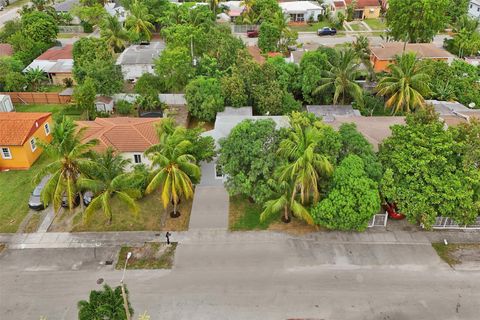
[[295, 227], [33, 223], [462, 253], [179, 114], [152, 255], [207, 126], [180, 223], [2, 247], [63, 220]]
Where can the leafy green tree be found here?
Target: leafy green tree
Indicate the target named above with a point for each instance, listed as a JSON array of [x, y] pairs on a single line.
[[106, 304], [353, 200], [354, 143], [108, 179], [8, 65], [269, 37], [312, 66], [234, 90], [85, 51], [424, 173], [175, 69], [35, 77], [287, 74], [341, 79], [457, 9], [270, 99], [248, 158], [93, 15], [265, 9], [175, 171], [26, 49], [466, 41], [107, 76], [15, 81], [204, 98], [416, 20], [148, 86], [138, 22], [406, 85], [71, 159], [9, 28], [39, 26], [114, 34], [84, 96]]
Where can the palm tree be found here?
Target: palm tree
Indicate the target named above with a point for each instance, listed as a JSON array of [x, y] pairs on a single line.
[[406, 85], [104, 304], [35, 76], [114, 33], [109, 179], [361, 46], [341, 79], [304, 166], [214, 5], [174, 169], [71, 159], [248, 5], [138, 22], [286, 201]]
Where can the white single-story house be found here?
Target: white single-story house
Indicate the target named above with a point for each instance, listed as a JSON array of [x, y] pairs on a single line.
[[130, 137], [139, 59], [104, 104], [224, 123], [474, 8], [6, 104], [301, 11]]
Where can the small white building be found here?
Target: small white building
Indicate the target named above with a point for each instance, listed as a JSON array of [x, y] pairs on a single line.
[[6, 104], [104, 104], [115, 9], [474, 8], [301, 11], [139, 59]]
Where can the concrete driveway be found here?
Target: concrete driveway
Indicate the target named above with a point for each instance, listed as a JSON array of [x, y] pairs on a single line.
[[210, 208]]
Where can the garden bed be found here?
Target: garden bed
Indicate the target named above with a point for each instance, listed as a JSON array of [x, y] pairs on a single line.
[[152, 255]]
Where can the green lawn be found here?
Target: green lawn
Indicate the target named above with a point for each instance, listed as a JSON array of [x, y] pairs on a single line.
[[58, 110], [244, 215], [15, 189], [376, 24], [314, 27]]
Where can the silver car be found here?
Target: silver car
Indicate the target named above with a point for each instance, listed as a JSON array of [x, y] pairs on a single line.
[[35, 202]]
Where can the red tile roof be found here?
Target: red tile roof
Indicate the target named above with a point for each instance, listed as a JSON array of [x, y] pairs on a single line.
[[339, 4], [364, 3], [57, 53], [17, 127], [255, 53], [6, 50], [123, 134]]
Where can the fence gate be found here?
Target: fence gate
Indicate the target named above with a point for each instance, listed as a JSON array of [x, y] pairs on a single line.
[[243, 28], [379, 220]]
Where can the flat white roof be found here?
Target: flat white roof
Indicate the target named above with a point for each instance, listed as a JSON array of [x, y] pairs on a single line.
[[299, 6]]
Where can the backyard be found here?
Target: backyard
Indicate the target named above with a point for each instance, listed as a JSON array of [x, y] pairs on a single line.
[[57, 110]]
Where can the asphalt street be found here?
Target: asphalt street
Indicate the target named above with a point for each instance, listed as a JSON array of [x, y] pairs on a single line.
[[8, 14], [284, 279]]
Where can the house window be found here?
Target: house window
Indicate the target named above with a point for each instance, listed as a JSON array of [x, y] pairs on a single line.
[[137, 158], [300, 17], [6, 154], [218, 172], [33, 145], [47, 129]]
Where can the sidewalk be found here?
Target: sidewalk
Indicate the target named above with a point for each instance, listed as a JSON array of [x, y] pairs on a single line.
[[202, 236]]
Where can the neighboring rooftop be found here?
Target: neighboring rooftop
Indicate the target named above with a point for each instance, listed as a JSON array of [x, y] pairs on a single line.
[[299, 6], [57, 53], [141, 54], [389, 50], [123, 134], [6, 50], [330, 112], [361, 4], [17, 127]]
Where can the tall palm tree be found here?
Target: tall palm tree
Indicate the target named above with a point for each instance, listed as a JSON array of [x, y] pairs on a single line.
[[405, 85], [71, 159], [361, 46], [305, 166], [104, 304], [175, 170], [109, 179], [248, 5], [35, 76], [114, 33], [138, 22], [341, 79], [286, 201]]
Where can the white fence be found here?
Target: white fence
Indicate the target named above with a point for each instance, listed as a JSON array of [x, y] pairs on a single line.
[[445, 223], [243, 28], [70, 29], [379, 220]]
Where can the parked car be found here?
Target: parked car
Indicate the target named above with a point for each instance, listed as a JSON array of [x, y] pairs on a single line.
[[392, 211], [76, 201], [35, 203], [252, 33], [87, 198], [326, 31]]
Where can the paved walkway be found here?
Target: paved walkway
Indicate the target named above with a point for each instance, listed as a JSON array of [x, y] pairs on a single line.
[[210, 208], [105, 239]]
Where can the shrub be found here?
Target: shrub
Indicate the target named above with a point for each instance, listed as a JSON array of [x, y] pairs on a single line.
[[124, 107]]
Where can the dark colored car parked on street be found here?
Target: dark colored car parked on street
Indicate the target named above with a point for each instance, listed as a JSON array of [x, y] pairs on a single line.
[[326, 31], [252, 33]]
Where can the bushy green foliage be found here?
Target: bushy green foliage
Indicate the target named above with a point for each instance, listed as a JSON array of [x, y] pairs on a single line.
[[204, 98], [174, 68], [248, 158], [424, 173], [124, 107], [269, 35], [234, 91], [353, 200], [39, 26], [104, 304]]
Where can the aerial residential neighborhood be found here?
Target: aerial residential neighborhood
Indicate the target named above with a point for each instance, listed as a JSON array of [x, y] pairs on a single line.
[[253, 159]]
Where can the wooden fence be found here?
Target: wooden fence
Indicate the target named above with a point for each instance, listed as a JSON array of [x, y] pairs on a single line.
[[38, 97]]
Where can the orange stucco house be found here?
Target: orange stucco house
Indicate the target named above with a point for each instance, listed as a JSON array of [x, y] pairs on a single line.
[[19, 136], [381, 57]]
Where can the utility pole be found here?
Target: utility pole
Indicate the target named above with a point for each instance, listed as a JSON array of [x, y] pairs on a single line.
[[124, 295]]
